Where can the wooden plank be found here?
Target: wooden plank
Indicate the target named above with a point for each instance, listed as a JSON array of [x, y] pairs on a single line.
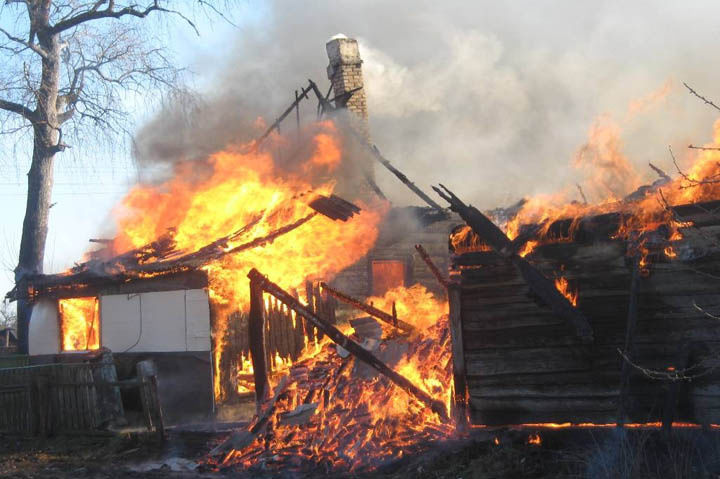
[[256, 337], [628, 348], [492, 362], [458, 357]]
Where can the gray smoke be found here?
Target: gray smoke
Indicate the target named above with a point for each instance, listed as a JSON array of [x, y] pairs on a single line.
[[493, 99]]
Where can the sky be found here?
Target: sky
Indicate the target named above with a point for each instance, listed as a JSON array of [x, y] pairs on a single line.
[[492, 99]]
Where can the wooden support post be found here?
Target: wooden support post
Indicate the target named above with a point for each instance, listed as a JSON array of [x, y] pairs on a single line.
[[629, 342], [110, 407], [459, 410], [348, 344], [145, 369], [309, 329], [256, 336]]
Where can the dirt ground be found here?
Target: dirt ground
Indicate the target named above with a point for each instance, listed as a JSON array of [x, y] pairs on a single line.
[[506, 453]]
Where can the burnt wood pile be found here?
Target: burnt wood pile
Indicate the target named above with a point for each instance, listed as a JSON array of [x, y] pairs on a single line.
[[649, 319]]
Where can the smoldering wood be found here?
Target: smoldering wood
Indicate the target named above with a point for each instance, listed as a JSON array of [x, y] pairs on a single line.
[[334, 207], [542, 286], [371, 310], [348, 344], [522, 364]]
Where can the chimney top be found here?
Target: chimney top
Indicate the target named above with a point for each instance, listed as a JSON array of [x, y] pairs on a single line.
[[342, 50]]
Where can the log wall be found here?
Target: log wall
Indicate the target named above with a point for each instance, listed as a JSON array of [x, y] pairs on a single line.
[[523, 364]]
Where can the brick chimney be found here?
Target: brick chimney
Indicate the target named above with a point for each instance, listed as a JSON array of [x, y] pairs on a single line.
[[345, 74]]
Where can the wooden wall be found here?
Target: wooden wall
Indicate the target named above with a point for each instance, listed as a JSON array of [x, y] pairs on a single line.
[[397, 240], [525, 365]]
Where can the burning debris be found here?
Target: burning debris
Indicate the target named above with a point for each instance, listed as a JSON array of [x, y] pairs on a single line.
[[325, 414], [527, 330]]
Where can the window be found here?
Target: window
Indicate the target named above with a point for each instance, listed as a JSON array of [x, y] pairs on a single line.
[[79, 324], [386, 275]]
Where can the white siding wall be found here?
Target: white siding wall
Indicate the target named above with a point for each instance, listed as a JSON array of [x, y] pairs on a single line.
[[44, 334], [156, 322], [145, 322]]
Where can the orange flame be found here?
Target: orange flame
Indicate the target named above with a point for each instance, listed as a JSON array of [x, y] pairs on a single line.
[[562, 285], [242, 185], [79, 324]]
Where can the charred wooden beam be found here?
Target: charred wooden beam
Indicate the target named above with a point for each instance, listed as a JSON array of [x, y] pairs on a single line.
[[401, 176], [334, 207], [498, 241], [373, 186], [348, 344], [460, 391], [256, 337], [431, 266], [276, 123], [324, 103], [371, 310]]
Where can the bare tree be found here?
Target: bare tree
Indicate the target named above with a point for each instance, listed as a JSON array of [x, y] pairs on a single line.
[[8, 319], [67, 69]]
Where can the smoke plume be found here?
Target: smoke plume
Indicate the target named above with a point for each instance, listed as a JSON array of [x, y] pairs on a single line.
[[495, 100]]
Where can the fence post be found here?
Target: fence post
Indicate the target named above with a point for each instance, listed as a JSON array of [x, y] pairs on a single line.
[[256, 336]]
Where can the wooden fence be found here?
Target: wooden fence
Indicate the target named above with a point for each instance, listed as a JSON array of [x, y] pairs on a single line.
[[72, 397], [48, 399]]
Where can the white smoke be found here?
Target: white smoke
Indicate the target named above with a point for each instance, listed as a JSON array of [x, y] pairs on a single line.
[[492, 99]]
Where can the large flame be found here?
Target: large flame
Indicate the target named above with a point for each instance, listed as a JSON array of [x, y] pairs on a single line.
[[244, 185], [360, 418], [79, 324], [607, 177]]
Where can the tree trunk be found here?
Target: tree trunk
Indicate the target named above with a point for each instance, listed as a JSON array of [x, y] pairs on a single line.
[[40, 180]]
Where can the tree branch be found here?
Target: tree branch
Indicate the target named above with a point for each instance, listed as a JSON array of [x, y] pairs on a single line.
[[17, 108], [29, 44], [95, 14], [707, 102]]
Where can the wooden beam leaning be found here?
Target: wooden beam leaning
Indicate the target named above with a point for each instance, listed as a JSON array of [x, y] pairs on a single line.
[[276, 123], [371, 310], [433, 269], [346, 343], [401, 176], [256, 338], [498, 241]]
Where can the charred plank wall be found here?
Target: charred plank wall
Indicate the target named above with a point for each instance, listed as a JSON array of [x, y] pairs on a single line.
[[525, 365]]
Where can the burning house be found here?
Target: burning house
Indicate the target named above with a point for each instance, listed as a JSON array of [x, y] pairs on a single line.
[[365, 332], [172, 286]]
